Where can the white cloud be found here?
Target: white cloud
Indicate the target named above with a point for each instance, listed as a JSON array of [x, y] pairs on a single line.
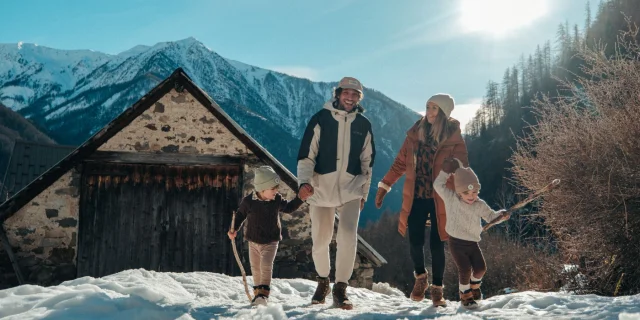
[[297, 71], [464, 112]]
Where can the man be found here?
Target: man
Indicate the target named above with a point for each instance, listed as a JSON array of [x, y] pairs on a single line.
[[335, 162]]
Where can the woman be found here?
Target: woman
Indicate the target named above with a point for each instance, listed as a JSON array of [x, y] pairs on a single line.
[[429, 142]]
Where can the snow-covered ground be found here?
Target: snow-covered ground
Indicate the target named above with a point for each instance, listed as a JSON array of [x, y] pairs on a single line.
[[141, 294]]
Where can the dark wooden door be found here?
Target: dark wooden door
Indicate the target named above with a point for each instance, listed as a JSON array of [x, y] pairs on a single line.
[[156, 217]]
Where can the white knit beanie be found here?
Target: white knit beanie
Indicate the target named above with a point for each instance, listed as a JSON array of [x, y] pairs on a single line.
[[444, 101], [265, 178]]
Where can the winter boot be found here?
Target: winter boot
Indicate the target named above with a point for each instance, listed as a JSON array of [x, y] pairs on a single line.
[[340, 299], [475, 289], [437, 296], [262, 295], [322, 290], [466, 299], [419, 287]]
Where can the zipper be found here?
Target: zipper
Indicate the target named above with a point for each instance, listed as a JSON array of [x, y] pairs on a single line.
[[344, 139]]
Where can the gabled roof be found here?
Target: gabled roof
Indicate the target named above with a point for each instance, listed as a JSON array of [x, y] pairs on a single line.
[[29, 160], [178, 80]]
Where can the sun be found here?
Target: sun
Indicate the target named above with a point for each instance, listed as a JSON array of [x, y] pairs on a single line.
[[499, 17]]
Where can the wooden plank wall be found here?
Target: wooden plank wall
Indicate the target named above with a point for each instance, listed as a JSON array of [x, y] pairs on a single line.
[[163, 218]]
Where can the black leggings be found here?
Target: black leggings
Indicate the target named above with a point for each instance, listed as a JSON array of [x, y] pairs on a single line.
[[417, 220]]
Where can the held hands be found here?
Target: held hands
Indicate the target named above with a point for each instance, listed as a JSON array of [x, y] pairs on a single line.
[[450, 165], [306, 191]]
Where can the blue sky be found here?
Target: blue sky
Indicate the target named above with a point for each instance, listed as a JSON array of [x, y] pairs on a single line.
[[406, 49]]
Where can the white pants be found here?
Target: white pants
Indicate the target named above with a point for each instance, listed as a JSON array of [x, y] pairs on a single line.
[[322, 220]]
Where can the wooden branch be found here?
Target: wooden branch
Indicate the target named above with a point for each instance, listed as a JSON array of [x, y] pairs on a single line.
[[522, 203], [235, 253]]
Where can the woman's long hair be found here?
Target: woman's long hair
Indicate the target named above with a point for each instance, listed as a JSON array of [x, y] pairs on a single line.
[[440, 130]]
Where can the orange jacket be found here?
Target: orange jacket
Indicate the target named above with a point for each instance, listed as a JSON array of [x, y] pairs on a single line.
[[405, 164]]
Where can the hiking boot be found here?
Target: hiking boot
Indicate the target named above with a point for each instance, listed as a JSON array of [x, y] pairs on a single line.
[[466, 299], [340, 299], [262, 295], [475, 290], [322, 290], [419, 287], [437, 296]]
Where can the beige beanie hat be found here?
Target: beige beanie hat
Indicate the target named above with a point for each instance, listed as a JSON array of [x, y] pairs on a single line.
[[444, 101], [265, 178], [466, 180]]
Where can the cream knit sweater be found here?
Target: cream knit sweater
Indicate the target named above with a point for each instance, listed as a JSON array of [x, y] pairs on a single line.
[[463, 219]]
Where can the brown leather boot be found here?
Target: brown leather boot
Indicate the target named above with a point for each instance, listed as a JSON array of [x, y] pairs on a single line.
[[419, 287], [475, 289], [466, 299], [437, 296], [262, 295], [322, 290], [340, 299]]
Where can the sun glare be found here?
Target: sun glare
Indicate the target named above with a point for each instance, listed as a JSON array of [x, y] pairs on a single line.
[[499, 17]]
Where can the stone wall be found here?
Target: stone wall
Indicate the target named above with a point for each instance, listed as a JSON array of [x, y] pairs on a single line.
[[44, 232]]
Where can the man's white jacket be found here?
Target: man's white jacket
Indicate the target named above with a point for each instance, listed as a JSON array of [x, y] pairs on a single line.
[[336, 156]]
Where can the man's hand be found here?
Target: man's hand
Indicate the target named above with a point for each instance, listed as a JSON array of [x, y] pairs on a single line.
[[306, 191], [380, 197], [232, 235]]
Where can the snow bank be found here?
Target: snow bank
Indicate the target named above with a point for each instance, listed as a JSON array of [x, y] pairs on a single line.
[[141, 294]]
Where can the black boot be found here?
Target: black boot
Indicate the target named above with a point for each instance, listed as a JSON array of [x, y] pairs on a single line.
[[322, 290], [340, 299]]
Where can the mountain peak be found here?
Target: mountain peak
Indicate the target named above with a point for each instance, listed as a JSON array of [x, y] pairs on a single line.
[[134, 51]]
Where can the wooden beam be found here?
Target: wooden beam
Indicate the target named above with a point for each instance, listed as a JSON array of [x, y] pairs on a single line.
[[162, 158], [12, 257]]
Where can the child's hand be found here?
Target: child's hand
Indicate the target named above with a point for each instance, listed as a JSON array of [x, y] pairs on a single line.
[[505, 215], [232, 235], [306, 191]]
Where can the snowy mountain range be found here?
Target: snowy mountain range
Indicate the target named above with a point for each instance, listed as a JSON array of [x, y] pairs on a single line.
[[74, 93]]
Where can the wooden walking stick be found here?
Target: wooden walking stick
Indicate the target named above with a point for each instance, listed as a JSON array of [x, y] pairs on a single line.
[[523, 203], [235, 253]]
